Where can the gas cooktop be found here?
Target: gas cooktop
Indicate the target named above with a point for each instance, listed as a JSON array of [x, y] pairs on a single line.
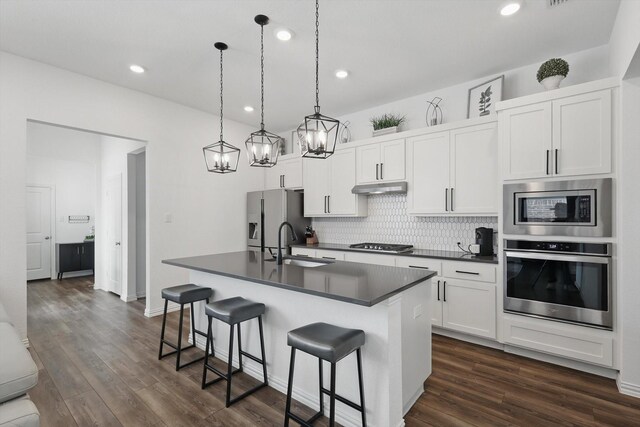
[[382, 247]]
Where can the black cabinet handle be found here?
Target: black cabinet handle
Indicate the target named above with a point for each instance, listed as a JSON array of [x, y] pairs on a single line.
[[78, 250], [451, 199], [328, 257], [328, 204], [467, 272], [417, 266], [438, 290], [446, 199], [556, 161], [381, 164], [301, 255], [444, 291], [547, 162], [325, 204], [377, 171]]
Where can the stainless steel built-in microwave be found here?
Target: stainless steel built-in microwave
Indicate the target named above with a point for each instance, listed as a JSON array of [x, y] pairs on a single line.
[[580, 208]]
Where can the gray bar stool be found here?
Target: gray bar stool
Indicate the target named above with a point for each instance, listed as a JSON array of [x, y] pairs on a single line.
[[234, 311], [182, 294], [330, 343]]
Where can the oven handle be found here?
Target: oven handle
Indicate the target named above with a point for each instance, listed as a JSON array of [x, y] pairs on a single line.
[[559, 257]]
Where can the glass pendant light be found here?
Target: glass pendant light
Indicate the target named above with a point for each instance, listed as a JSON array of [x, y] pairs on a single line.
[[263, 147], [220, 156], [318, 134]]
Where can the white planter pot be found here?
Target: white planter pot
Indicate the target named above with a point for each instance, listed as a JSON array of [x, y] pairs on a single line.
[[552, 82], [385, 131]]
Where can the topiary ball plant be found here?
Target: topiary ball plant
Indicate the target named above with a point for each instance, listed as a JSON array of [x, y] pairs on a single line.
[[553, 67]]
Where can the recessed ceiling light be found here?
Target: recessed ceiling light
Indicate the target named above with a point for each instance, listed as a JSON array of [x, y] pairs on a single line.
[[248, 108], [283, 34], [510, 8], [137, 69], [342, 74]]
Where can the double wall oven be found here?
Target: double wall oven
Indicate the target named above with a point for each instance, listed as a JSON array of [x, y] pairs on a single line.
[[555, 276]]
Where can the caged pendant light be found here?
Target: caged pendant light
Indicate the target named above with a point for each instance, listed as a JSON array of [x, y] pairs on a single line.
[[220, 156], [318, 134], [263, 147]]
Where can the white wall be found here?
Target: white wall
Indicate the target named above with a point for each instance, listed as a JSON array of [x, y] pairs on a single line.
[[587, 65], [177, 181], [66, 160], [625, 37]]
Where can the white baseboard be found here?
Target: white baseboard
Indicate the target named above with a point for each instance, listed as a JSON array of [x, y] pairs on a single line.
[[141, 295], [77, 274], [628, 388], [254, 370], [159, 310], [485, 342], [129, 298]]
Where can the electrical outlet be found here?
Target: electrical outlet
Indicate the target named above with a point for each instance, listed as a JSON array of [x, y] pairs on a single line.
[[168, 218]]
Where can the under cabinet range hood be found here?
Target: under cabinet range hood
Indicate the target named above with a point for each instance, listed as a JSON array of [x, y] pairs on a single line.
[[381, 188]]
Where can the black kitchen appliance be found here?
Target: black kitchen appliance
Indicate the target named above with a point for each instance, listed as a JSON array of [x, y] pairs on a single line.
[[484, 238]]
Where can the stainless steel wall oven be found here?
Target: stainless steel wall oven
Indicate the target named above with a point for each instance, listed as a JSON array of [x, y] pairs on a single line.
[[566, 281]]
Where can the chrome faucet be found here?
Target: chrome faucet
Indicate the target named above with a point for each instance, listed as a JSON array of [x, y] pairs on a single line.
[[293, 239]]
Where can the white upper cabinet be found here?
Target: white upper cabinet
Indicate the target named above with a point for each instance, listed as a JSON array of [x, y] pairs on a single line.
[[454, 172], [381, 162], [285, 174], [474, 175], [327, 186], [567, 136], [428, 174], [582, 134]]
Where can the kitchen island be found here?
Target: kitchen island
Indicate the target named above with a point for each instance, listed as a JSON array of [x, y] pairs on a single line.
[[391, 304]]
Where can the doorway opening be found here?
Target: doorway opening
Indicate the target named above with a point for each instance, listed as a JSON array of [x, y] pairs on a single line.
[[86, 208]]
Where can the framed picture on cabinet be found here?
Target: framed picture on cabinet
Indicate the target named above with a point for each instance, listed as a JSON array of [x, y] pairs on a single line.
[[483, 98]]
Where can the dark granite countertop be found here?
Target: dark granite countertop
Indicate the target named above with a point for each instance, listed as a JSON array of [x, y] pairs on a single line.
[[356, 283], [420, 253]]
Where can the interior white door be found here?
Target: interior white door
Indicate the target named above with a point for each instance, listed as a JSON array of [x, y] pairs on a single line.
[[113, 233], [38, 233]]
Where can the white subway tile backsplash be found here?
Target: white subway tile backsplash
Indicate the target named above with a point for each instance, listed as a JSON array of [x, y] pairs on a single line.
[[388, 222]]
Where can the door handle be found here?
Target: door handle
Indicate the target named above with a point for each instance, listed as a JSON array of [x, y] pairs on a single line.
[[438, 290], [556, 162], [446, 200], [377, 165], [117, 243], [381, 176], [47, 238], [451, 199], [547, 162], [444, 291]]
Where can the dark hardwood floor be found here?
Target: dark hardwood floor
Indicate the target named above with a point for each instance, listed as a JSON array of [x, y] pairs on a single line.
[[98, 366]]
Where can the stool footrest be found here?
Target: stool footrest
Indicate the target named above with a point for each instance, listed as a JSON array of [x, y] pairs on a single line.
[[343, 400], [252, 357], [221, 375], [305, 423]]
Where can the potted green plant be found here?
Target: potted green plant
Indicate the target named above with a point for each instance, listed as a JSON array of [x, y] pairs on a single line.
[[386, 123], [551, 73]]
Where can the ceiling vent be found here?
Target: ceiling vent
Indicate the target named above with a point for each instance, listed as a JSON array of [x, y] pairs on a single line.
[[553, 3]]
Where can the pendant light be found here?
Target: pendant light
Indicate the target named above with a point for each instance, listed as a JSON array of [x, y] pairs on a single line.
[[220, 156], [318, 134], [263, 147]]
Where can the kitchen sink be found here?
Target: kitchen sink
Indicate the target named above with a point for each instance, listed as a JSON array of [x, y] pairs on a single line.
[[305, 263]]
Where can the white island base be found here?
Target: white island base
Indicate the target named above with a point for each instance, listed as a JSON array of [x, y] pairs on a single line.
[[396, 354]]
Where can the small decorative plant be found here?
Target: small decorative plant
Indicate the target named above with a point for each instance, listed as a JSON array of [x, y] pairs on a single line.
[[553, 67], [386, 121]]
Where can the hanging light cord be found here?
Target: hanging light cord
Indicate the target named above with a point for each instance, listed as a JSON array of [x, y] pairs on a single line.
[[221, 100], [317, 56], [262, 77]]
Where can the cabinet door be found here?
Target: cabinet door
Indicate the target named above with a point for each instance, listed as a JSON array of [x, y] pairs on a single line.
[[428, 174], [343, 178], [392, 160], [525, 134], [582, 134], [87, 256], [474, 170], [366, 258], [69, 255], [316, 186], [330, 255], [469, 307], [368, 163], [272, 177], [436, 301], [292, 173]]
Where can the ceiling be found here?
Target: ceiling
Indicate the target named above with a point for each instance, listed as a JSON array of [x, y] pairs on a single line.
[[392, 48]]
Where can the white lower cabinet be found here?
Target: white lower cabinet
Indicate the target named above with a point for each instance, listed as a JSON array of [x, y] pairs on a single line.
[[560, 339], [370, 258], [296, 251], [469, 307]]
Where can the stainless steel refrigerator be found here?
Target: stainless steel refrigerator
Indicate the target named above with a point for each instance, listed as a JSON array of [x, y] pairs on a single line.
[[266, 210]]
